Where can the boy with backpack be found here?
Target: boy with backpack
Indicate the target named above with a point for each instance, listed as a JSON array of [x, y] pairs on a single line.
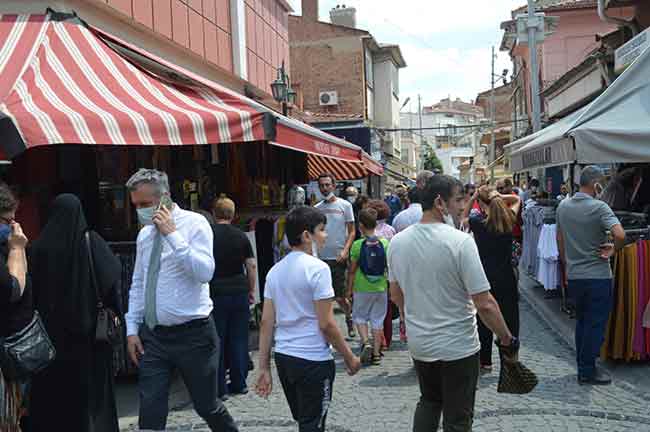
[[367, 276]]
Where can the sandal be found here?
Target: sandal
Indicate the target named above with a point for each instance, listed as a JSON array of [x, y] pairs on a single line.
[[376, 359], [366, 354]]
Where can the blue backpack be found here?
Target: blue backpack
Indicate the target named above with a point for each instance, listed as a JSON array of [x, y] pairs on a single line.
[[372, 260]]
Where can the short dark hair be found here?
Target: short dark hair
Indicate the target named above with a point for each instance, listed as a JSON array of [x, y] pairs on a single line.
[[8, 201], [534, 182], [590, 175], [327, 175], [382, 209], [440, 185], [414, 195], [302, 219], [507, 182], [368, 218]]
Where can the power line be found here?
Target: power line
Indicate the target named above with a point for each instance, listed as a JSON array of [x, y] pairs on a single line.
[[470, 126]]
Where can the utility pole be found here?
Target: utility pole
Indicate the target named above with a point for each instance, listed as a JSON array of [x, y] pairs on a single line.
[[534, 68], [492, 123], [422, 154]]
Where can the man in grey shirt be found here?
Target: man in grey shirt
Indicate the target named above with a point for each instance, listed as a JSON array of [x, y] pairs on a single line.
[[582, 226]]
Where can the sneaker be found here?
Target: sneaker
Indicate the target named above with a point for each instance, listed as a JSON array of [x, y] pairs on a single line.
[[600, 378], [366, 354], [351, 332], [376, 359], [402, 332]]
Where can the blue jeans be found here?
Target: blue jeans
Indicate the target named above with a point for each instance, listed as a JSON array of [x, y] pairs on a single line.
[[593, 302], [231, 315]]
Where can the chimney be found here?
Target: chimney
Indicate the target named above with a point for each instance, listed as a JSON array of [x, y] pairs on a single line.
[[344, 16], [310, 10]]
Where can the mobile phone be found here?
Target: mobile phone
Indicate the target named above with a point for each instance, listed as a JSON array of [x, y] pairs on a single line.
[[165, 201]]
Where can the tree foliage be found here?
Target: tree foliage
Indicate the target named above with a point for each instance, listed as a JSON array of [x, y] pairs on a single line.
[[432, 163]]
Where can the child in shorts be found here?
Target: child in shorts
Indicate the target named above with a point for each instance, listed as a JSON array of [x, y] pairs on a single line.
[[367, 278]]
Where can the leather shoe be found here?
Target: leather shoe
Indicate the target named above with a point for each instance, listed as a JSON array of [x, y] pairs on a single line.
[[599, 378]]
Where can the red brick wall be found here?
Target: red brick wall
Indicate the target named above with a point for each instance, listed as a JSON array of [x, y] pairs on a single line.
[[267, 35], [325, 57], [202, 26]]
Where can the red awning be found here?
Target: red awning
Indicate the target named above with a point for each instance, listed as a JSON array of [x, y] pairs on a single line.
[[63, 82]]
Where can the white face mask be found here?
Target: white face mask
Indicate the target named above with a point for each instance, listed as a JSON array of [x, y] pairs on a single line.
[[329, 196], [449, 220], [145, 215], [352, 199], [598, 189]]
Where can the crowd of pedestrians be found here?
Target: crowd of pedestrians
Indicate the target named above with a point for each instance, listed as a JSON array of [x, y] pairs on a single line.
[[195, 278]]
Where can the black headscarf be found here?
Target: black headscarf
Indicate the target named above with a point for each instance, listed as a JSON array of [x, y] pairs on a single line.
[[64, 292]]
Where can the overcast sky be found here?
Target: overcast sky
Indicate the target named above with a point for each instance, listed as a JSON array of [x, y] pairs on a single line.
[[446, 43]]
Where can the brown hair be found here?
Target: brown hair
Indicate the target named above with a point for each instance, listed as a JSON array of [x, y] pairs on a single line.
[[223, 208], [368, 218], [382, 209], [8, 201], [500, 218]]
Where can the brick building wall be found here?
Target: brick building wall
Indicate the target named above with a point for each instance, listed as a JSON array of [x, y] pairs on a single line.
[[327, 57], [502, 103]]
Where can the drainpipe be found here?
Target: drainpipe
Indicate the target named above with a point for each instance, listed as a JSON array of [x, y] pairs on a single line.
[[602, 13]]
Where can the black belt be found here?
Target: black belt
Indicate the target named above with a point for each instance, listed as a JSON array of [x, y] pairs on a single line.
[[199, 322]]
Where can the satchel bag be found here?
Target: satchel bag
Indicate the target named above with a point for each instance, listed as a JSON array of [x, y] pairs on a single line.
[[27, 352], [109, 325]]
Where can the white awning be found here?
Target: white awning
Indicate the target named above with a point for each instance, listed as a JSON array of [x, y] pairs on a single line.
[[551, 147], [616, 126]]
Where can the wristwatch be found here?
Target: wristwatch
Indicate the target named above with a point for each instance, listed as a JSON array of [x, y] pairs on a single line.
[[514, 344]]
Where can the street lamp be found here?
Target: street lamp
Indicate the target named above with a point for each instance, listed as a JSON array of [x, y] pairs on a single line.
[[282, 91], [494, 78]]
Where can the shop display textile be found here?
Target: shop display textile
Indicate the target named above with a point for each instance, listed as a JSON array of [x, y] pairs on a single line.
[[626, 338]]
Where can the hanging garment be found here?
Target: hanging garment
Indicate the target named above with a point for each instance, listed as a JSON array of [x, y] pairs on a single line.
[[639, 336], [548, 273]]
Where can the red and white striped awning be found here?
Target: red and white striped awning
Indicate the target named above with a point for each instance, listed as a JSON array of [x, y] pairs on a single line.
[[63, 82]]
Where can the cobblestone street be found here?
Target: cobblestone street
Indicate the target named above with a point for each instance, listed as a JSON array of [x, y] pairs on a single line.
[[383, 398]]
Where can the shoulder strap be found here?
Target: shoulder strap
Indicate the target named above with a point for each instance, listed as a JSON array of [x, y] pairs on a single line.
[[93, 278]]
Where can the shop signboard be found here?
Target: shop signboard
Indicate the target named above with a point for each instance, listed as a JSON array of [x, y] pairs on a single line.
[[625, 55], [537, 157]]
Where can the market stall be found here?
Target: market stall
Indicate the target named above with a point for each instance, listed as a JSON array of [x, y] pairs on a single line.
[[613, 129], [80, 110]]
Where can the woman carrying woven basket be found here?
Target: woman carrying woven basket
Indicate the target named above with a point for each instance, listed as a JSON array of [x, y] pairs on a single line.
[[492, 229]]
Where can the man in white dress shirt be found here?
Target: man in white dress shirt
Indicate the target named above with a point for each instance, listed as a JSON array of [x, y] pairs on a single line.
[[169, 326]]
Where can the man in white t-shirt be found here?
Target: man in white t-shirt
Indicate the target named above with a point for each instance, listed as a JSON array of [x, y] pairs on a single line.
[[298, 306], [441, 293], [340, 236]]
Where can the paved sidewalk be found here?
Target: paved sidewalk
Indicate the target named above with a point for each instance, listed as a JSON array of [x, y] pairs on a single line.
[[383, 398]]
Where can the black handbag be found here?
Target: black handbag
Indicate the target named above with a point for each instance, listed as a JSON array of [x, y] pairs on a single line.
[[27, 352], [108, 322]]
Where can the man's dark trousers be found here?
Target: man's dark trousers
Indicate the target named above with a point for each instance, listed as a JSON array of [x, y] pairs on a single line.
[[593, 302], [193, 349], [447, 388]]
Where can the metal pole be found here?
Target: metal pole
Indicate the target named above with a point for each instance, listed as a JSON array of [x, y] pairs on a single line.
[[534, 68], [492, 121], [422, 154]]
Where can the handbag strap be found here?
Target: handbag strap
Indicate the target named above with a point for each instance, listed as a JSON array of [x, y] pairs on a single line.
[[93, 278]]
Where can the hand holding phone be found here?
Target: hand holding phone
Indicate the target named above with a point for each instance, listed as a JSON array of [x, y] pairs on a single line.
[[163, 219]]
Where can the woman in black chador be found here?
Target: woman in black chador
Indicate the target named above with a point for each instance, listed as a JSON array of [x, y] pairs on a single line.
[[76, 392]]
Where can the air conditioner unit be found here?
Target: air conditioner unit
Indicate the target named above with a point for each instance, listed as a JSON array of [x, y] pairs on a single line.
[[328, 98]]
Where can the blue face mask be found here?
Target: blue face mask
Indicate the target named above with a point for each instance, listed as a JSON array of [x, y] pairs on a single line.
[[5, 231], [145, 215]]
